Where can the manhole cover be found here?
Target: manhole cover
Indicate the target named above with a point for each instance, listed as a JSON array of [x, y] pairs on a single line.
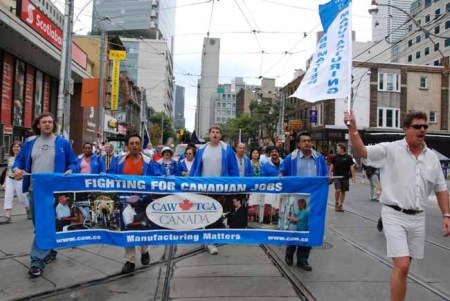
[[325, 246]]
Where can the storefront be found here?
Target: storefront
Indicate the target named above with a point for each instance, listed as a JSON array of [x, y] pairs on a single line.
[[29, 68]]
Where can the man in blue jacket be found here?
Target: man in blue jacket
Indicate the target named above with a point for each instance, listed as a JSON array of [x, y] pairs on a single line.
[[138, 164], [305, 162], [215, 159], [244, 164], [45, 152], [109, 158]]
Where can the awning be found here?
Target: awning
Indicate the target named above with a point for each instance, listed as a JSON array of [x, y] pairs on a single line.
[[440, 156]]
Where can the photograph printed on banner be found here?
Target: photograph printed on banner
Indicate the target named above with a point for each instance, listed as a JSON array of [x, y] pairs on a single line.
[[180, 211]]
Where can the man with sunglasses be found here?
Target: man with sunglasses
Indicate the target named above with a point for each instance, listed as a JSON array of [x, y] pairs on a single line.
[[409, 172]]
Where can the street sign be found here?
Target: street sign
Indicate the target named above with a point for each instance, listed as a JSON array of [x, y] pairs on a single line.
[[220, 90], [115, 85], [313, 116], [295, 124], [117, 55]]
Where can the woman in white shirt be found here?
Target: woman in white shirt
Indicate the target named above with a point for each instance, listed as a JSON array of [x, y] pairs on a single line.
[[11, 185]]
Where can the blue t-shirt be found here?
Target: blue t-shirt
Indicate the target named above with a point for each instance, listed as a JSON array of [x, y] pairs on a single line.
[[302, 224]]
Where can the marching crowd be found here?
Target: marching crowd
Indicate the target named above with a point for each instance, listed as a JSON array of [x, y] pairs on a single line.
[[49, 152]]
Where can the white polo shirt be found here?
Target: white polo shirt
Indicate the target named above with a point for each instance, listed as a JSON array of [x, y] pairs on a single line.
[[405, 181]]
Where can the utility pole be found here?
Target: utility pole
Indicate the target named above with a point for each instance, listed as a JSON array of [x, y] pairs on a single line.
[[162, 128], [65, 71], [100, 119], [143, 128], [281, 117]]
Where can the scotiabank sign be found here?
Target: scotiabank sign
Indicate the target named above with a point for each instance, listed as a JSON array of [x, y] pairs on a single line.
[[31, 15]]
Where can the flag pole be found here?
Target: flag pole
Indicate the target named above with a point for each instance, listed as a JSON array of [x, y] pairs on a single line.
[[350, 61]]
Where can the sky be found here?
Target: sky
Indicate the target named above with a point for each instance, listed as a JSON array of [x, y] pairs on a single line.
[[268, 38]]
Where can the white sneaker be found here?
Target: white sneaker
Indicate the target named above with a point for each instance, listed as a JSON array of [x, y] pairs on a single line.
[[212, 249]]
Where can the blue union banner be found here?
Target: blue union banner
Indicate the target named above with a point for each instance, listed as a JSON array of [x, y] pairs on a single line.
[[126, 211]]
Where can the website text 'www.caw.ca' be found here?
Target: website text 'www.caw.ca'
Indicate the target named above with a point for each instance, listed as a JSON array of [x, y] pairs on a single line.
[[78, 238], [284, 238]]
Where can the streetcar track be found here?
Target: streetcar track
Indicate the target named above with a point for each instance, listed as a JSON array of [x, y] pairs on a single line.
[[376, 220], [298, 286], [383, 260], [103, 280]]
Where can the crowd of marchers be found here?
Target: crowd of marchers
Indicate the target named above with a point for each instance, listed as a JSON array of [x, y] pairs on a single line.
[[402, 213]]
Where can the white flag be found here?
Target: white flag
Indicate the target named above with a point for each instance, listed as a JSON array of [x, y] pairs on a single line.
[[329, 75]]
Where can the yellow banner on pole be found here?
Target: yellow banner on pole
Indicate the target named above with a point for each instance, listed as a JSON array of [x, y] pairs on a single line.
[[117, 55], [115, 85]]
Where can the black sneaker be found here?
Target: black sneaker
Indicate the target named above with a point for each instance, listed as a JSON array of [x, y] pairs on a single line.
[[128, 267], [35, 272], [304, 265], [288, 260], [145, 259], [380, 225]]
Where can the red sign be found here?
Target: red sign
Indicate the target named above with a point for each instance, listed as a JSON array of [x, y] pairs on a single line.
[[39, 22], [8, 71], [46, 93], [31, 15], [29, 93], [79, 56]]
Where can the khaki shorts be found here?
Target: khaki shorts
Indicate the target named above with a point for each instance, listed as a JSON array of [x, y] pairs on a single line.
[[342, 184], [405, 234]]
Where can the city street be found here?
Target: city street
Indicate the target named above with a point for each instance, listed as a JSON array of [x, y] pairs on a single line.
[[351, 265]]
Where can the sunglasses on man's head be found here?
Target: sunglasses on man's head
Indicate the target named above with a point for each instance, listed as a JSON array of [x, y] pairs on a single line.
[[419, 126]]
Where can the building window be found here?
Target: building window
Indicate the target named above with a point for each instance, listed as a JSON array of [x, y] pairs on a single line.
[[436, 47], [447, 42], [427, 18], [447, 7], [427, 3], [410, 43], [389, 117], [418, 38], [410, 58], [436, 63], [437, 13], [418, 55], [433, 117], [447, 24], [389, 82], [427, 51], [410, 27], [437, 29], [423, 82]]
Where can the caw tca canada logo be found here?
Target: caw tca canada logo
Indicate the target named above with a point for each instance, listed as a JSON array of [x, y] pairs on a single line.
[[185, 211]]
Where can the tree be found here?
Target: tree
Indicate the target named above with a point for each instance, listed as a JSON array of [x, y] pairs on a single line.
[[161, 119]]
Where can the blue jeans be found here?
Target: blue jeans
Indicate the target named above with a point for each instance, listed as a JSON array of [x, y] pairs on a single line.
[[37, 256]]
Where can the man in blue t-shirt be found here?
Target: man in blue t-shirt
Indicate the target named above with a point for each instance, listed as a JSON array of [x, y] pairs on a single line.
[[299, 223]]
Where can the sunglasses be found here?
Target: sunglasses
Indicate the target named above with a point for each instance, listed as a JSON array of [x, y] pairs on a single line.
[[419, 126]]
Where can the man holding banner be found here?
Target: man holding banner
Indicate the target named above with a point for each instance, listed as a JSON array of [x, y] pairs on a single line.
[[215, 159], [135, 163], [44, 152], [305, 162]]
